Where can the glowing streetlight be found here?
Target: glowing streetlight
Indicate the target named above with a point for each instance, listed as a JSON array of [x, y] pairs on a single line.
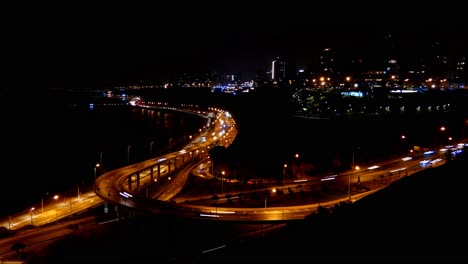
[[222, 175], [296, 157], [31, 210], [404, 145], [358, 176], [349, 182], [441, 138], [56, 208], [95, 169], [354, 149], [284, 171], [348, 80]]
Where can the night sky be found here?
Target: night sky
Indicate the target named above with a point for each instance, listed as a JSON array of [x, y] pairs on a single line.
[[98, 46]]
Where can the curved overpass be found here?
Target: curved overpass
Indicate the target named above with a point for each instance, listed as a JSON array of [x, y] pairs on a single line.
[[163, 177], [150, 185]]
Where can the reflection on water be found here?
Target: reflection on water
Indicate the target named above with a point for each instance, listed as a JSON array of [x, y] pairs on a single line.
[[76, 138]]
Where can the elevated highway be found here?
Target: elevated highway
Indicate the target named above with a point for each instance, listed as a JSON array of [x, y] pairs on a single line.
[[151, 185], [154, 185]]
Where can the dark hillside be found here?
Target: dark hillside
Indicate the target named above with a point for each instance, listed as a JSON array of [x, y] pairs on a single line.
[[421, 217]]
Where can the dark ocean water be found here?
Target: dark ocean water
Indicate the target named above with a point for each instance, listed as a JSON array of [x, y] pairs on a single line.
[[62, 145]]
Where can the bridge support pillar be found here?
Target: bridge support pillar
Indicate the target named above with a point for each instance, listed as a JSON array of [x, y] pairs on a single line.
[[130, 182], [151, 174], [138, 181], [159, 170]]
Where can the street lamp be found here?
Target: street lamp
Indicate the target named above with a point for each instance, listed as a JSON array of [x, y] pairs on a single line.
[[56, 208], [128, 154], [284, 172], [403, 139], [32, 209], [348, 80], [95, 168], [222, 174], [349, 182], [267, 193], [441, 138], [296, 156], [358, 176], [151, 148], [354, 149]]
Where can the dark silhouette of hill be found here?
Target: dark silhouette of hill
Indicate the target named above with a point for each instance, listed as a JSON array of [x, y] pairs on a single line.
[[421, 217]]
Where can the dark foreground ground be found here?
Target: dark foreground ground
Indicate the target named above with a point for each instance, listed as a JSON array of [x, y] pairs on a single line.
[[419, 218]]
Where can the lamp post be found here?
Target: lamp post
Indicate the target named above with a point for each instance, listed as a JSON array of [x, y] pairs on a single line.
[[404, 145], [353, 162], [349, 182], [95, 170], [284, 172], [222, 175], [151, 148], [358, 176], [267, 193], [31, 210], [441, 136], [56, 208], [352, 165], [296, 156], [128, 154]]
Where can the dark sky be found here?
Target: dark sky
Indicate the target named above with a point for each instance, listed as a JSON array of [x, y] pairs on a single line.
[[83, 47]]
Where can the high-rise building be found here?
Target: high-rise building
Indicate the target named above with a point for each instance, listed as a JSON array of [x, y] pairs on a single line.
[[391, 62], [328, 63], [278, 69], [438, 62], [460, 74]]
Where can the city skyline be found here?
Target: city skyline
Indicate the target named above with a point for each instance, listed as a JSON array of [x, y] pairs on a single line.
[[105, 51]]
